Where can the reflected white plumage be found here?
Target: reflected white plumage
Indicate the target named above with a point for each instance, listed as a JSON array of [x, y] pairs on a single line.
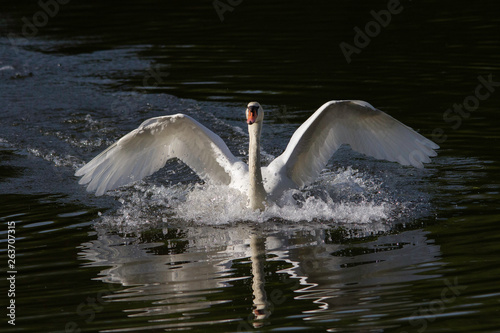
[[146, 149]]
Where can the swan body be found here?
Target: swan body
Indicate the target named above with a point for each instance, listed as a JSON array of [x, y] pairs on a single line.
[[146, 149]]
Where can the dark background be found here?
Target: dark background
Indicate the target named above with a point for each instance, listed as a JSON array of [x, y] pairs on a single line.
[[97, 69]]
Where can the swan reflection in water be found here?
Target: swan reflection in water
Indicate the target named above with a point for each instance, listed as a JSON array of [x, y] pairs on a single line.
[[184, 271]]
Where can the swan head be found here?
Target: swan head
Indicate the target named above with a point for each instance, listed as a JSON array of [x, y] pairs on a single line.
[[255, 113]]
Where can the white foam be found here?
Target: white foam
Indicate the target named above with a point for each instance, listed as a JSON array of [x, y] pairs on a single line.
[[344, 197]]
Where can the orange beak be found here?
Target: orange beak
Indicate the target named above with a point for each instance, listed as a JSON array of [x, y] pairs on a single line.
[[251, 116]]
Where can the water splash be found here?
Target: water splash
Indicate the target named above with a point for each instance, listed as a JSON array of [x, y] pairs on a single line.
[[345, 197]]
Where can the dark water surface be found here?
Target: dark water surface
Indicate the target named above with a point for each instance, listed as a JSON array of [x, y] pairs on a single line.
[[370, 247]]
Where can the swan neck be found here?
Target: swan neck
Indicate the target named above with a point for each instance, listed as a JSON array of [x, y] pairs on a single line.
[[257, 194]]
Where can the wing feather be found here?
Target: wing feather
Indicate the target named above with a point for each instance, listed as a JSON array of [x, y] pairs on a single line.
[[358, 124], [146, 149]]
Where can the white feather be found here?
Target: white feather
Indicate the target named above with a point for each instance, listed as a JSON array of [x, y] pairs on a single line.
[[356, 123], [146, 149]]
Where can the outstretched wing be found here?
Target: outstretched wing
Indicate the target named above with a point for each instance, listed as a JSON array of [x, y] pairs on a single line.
[[358, 124], [146, 149]]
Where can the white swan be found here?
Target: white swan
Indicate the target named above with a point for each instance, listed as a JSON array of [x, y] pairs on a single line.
[[147, 148]]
